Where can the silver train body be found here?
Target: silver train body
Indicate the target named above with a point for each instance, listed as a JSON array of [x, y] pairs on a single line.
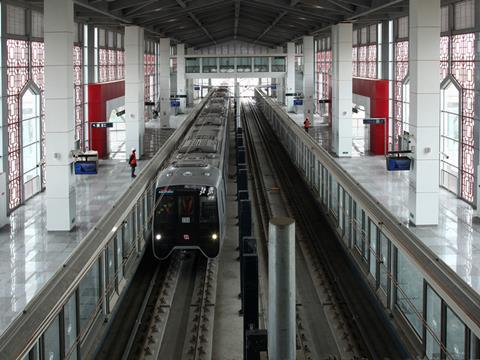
[[190, 196]]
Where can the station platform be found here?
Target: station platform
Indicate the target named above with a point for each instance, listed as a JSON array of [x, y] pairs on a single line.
[[30, 255], [455, 240]]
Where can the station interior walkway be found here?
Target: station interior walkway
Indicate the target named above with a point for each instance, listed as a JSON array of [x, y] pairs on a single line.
[[455, 240], [30, 255]]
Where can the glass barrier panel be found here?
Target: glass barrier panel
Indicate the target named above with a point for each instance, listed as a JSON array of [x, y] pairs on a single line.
[[433, 322], [455, 336], [364, 235], [70, 327], [33, 353], [384, 262], [341, 214], [110, 266], [119, 243], [348, 217], [127, 238], [372, 236], [409, 291], [51, 341], [89, 296]]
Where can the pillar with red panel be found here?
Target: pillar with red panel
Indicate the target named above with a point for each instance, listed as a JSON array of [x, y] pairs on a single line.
[[98, 95], [377, 91]]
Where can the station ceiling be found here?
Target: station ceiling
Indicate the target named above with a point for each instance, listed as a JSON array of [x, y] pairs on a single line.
[[201, 23]]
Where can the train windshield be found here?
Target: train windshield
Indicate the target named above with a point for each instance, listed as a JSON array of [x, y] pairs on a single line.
[[187, 205], [165, 209]]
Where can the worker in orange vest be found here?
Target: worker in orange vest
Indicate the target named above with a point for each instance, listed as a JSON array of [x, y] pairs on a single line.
[[306, 123], [133, 162]]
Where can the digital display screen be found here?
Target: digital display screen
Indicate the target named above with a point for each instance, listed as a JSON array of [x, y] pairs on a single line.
[[297, 102]]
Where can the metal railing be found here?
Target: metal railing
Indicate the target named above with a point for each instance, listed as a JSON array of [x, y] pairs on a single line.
[[133, 208], [326, 177]]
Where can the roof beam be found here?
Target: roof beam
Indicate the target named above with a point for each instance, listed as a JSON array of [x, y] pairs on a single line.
[[194, 18], [277, 19], [237, 18]]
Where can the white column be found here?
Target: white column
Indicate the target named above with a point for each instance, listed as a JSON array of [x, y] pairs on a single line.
[[424, 62], [134, 88], [290, 83], [189, 92], [281, 90], [342, 89], [181, 82], [308, 76], [59, 111], [165, 82]]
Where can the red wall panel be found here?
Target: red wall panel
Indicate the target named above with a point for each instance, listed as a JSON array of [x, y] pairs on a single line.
[[98, 95], [377, 91]]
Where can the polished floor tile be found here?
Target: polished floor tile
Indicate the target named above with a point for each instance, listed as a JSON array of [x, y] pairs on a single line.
[[30, 255], [455, 240]]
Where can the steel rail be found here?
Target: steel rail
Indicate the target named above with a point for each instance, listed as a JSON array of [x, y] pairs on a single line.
[[48, 302], [317, 265], [459, 296]]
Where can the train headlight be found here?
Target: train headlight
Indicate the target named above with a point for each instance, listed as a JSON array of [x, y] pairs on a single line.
[[158, 236], [214, 236]]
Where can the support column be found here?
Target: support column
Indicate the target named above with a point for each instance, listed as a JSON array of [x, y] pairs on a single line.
[[290, 86], [281, 90], [342, 89], [385, 65], [165, 82], [189, 92], [281, 289], [424, 62], [134, 89], [181, 82], [59, 110], [91, 54], [308, 77]]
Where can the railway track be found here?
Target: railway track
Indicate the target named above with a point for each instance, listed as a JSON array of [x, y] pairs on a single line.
[[341, 306], [176, 315]]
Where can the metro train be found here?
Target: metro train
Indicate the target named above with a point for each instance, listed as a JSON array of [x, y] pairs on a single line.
[[190, 195]]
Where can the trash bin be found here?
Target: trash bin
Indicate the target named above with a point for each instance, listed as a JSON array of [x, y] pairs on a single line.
[[396, 161]]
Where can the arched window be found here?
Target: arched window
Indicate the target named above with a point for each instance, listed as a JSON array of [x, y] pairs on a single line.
[[31, 140], [406, 105], [450, 135]]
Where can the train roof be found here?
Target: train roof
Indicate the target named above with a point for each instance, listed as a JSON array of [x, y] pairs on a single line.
[[199, 157], [199, 174]]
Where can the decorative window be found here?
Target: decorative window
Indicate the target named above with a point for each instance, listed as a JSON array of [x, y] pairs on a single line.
[[364, 57], [37, 24], [464, 15], [355, 37], [373, 34], [16, 20], [450, 136], [31, 141], [363, 35], [402, 24], [401, 71], [101, 37], [444, 19]]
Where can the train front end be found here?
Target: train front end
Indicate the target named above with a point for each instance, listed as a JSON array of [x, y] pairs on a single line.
[[186, 217]]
